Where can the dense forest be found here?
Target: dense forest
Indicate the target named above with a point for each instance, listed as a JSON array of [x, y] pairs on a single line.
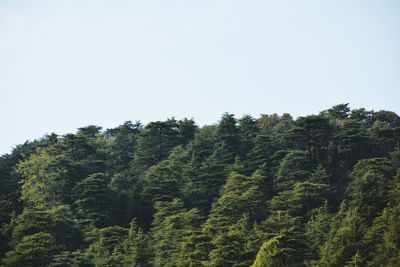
[[319, 190]]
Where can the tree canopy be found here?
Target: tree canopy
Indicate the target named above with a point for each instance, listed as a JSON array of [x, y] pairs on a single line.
[[318, 190]]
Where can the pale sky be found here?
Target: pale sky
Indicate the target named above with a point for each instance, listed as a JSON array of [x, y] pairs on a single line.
[[67, 64]]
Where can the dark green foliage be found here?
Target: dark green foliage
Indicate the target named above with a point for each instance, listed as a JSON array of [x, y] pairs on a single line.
[[314, 132], [340, 112], [34, 250], [229, 138], [155, 142], [294, 167], [248, 130], [319, 190], [317, 230], [353, 144], [205, 182], [123, 142], [94, 200], [261, 153]]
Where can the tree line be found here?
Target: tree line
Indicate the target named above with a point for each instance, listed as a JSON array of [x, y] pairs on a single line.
[[319, 190]]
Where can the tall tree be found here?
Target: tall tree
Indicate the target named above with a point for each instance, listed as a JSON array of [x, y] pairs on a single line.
[[155, 142], [94, 200], [172, 222], [123, 143], [228, 134], [34, 250], [294, 167]]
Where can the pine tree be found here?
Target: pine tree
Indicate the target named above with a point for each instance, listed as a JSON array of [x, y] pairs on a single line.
[[172, 223], [228, 135], [135, 247], [294, 167], [94, 200], [34, 250], [106, 248], [74, 259]]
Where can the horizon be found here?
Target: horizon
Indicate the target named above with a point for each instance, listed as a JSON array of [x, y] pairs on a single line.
[[199, 125]]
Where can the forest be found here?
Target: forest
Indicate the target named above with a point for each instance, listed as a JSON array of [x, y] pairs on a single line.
[[317, 190]]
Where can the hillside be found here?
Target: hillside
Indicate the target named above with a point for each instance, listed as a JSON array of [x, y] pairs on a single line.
[[319, 190]]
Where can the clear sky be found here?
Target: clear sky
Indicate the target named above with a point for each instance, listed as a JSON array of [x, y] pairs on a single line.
[[66, 64]]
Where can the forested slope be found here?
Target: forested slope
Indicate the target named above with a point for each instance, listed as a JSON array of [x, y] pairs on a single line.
[[320, 190]]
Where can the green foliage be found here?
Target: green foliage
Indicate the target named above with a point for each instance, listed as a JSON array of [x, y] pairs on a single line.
[[230, 246], [74, 259], [340, 112], [319, 190], [371, 182], [294, 167], [344, 239], [161, 182], [155, 142], [134, 247], [229, 138], [277, 252], [172, 223], [33, 250], [122, 143], [106, 249], [94, 200], [382, 239], [42, 185], [317, 229], [260, 155], [204, 185], [301, 199]]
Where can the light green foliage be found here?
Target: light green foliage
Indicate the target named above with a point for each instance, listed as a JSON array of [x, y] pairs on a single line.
[[277, 252], [344, 239], [172, 223], [42, 185], [195, 247], [301, 199], [241, 195], [73, 259], [230, 246], [371, 182], [106, 249], [383, 238], [134, 247]]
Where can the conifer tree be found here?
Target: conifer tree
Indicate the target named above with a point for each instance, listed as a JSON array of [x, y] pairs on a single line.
[[34, 250], [94, 200]]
